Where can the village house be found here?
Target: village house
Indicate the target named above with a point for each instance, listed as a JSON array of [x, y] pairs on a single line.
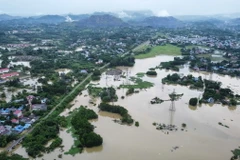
[[8, 75], [18, 113], [4, 70], [15, 121], [2, 130], [39, 107]]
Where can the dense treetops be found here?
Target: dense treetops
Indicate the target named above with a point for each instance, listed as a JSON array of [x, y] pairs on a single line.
[[126, 118], [36, 141], [85, 129], [123, 61]]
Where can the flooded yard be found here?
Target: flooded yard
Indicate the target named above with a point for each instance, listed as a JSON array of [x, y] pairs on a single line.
[[202, 139]]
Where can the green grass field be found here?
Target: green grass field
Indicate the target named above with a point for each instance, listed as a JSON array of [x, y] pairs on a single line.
[[161, 50]]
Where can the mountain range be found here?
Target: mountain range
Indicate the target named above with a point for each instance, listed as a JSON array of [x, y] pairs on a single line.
[[122, 19]]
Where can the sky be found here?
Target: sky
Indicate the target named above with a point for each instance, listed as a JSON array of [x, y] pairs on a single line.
[[159, 7]]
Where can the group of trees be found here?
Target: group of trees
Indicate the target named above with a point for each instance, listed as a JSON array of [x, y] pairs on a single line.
[[14, 82], [5, 139], [123, 61], [213, 90], [193, 101], [36, 141], [189, 80], [85, 130], [5, 156], [151, 73], [173, 65], [96, 75], [108, 94], [126, 118]]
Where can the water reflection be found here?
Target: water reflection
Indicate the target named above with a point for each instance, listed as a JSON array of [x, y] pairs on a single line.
[[193, 108], [109, 115], [93, 149], [232, 108]]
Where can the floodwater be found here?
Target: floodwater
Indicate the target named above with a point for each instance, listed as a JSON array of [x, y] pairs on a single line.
[[202, 139]]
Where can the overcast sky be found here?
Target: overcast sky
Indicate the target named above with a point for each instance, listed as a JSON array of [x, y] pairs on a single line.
[[172, 7]]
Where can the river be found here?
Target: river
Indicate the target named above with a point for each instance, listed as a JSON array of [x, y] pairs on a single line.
[[202, 139]]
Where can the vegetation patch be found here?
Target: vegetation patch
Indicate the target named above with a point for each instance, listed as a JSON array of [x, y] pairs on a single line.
[[174, 65], [213, 93], [156, 100], [193, 101], [5, 156], [138, 84], [151, 73], [83, 130], [140, 75], [193, 82], [160, 50], [36, 141], [221, 124], [126, 118], [236, 154]]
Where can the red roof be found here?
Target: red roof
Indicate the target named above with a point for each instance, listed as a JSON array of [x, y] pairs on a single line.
[[17, 112], [15, 121], [10, 75], [4, 69]]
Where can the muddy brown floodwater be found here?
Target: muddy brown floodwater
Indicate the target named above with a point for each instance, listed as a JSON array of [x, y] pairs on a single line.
[[202, 139]]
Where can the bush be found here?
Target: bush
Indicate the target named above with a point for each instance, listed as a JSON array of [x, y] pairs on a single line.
[[193, 101], [137, 124], [151, 73]]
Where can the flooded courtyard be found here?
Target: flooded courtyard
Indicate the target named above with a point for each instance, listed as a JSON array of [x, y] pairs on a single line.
[[202, 139]]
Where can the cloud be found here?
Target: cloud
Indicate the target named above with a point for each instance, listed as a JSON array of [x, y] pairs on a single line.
[[123, 15], [162, 13]]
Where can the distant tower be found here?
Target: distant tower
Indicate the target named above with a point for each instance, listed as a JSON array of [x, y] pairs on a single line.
[[173, 98], [211, 76]]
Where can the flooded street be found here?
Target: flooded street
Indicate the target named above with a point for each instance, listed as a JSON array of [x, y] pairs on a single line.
[[202, 139]]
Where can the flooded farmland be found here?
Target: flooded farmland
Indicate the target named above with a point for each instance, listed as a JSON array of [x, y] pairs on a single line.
[[202, 139]]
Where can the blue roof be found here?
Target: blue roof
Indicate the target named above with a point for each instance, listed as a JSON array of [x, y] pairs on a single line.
[[5, 110], [27, 126], [21, 108], [19, 128]]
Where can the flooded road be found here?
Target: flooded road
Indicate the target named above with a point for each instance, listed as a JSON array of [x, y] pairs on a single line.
[[202, 139]]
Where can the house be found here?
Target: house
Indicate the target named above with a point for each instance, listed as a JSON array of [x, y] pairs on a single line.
[[99, 61], [5, 111], [8, 75], [15, 121], [83, 71], [18, 113], [196, 79], [19, 128], [2, 129], [26, 126], [4, 70], [210, 100], [44, 100], [39, 107]]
